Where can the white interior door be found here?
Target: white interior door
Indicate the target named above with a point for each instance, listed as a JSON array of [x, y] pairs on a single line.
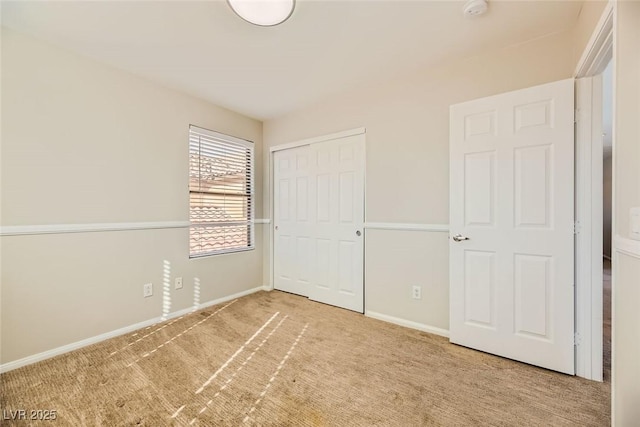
[[512, 197], [292, 223], [337, 202]]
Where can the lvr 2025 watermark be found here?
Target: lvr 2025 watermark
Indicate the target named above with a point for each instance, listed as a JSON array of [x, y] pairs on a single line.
[[29, 414]]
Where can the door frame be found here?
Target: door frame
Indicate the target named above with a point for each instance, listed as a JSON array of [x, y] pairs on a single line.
[[588, 275], [295, 144]]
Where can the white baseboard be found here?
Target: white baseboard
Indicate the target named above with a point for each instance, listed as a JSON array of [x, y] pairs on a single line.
[[6, 367], [408, 323]]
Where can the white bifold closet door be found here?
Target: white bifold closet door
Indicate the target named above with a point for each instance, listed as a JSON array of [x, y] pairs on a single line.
[[318, 221]]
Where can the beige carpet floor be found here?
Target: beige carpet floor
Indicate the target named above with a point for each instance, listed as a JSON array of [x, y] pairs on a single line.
[[276, 359]]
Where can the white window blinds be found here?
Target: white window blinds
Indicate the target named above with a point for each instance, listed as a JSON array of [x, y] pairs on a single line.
[[220, 193]]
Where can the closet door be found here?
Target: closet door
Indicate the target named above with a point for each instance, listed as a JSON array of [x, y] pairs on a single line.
[[293, 225], [337, 203]]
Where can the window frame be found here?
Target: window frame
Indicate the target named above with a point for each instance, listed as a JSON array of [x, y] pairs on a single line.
[[250, 222]]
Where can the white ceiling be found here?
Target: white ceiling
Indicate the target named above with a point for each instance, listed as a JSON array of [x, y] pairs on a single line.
[[327, 47]]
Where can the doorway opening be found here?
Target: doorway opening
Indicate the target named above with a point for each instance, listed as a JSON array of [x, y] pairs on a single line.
[[595, 153], [607, 145]]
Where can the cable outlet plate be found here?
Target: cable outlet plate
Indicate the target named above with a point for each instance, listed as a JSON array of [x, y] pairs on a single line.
[[178, 283]]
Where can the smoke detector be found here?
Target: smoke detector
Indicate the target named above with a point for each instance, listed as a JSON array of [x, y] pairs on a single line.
[[475, 8]]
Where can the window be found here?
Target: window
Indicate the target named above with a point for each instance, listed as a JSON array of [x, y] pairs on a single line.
[[220, 193]]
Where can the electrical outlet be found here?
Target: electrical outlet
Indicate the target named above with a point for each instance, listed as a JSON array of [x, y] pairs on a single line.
[[178, 283], [147, 290], [416, 292]]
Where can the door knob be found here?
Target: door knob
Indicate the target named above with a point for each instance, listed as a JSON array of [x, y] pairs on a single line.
[[459, 238], [358, 233]]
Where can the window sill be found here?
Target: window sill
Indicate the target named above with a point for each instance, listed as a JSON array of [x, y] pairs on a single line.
[[223, 252]]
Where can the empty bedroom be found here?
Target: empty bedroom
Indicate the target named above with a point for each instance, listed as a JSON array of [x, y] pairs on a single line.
[[319, 213]]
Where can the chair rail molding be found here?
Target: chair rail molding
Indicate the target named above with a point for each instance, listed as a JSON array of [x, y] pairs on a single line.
[[627, 246], [406, 226], [29, 230], [18, 230]]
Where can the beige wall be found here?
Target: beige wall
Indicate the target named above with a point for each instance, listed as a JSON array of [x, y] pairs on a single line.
[[626, 273], [86, 143], [627, 111], [407, 124], [588, 18]]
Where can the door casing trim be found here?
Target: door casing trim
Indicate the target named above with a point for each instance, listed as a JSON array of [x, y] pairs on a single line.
[[588, 305]]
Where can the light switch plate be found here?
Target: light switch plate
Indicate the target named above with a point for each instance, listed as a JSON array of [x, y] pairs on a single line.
[[634, 223]]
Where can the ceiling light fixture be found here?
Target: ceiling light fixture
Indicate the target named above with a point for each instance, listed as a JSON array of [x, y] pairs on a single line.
[[265, 13]]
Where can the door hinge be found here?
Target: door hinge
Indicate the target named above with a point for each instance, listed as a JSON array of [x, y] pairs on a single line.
[[577, 339], [577, 227], [576, 115]]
